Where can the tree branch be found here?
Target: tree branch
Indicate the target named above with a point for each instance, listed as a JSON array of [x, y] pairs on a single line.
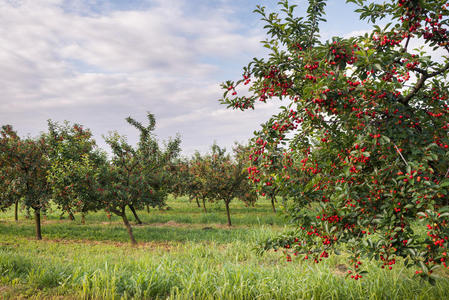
[[416, 88], [419, 84], [406, 43], [406, 163], [113, 210]]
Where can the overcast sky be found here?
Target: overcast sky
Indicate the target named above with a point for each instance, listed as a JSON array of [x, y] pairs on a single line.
[[95, 62]]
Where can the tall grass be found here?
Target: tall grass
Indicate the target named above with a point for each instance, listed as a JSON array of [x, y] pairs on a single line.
[[194, 271], [188, 262]]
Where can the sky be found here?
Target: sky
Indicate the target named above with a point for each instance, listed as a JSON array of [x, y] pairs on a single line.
[[96, 62]]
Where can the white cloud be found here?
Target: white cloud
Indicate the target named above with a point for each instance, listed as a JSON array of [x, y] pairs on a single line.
[[96, 68]]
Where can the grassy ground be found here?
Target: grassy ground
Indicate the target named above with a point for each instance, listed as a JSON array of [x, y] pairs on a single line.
[[182, 254]]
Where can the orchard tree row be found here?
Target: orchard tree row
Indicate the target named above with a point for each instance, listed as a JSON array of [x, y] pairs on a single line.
[[364, 127], [216, 176], [65, 167]]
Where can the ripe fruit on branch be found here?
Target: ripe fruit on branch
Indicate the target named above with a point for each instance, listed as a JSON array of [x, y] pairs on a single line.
[[365, 123]]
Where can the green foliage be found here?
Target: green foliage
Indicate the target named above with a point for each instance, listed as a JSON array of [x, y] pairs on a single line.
[[183, 262], [215, 177], [187, 180], [24, 172], [76, 166], [10, 188], [219, 177], [28, 165], [199, 185], [137, 176], [364, 131]]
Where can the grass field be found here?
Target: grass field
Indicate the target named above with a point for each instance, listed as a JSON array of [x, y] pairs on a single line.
[[182, 254]]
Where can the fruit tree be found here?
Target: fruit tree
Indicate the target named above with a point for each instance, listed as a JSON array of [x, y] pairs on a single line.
[[25, 172], [76, 165], [136, 175], [366, 118], [226, 179]]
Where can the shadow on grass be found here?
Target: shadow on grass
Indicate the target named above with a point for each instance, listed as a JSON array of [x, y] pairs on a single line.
[[117, 233]]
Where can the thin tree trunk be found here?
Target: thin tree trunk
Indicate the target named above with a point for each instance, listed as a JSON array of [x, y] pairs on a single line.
[[71, 216], [272, 203], [148, 208], [83, 218], [37, 220], [197, 202], [129, 228], [204, 205], [227, 213], [16, 211], [135, 214]]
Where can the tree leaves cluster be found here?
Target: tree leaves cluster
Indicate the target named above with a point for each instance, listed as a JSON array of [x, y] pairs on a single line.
[[65, 167], [216, 176], [363, 131], [138, 177]]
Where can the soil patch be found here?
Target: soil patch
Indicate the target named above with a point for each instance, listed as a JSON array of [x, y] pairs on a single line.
[[175, 224], [341, 270]]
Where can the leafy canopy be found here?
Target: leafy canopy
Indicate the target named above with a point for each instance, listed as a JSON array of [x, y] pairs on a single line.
[[364, 129]]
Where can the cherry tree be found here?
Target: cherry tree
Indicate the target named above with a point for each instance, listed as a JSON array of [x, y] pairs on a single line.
[[25, 172], [76, 165], [226, 178], [366, 120], [137, 176]]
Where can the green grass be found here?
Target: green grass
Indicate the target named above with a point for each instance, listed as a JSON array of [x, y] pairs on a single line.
[[183, 211], [181, 260]]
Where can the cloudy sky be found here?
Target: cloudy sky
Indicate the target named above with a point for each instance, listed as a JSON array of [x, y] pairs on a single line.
[[95, 62]]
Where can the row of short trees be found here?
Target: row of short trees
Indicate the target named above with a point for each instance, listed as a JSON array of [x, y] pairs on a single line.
[[65, 167], [216, 176]]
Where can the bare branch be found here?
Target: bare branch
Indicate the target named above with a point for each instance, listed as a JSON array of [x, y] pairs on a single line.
[[406, 43], [415, 90], [406, 163], [438, 72], [419, 84]]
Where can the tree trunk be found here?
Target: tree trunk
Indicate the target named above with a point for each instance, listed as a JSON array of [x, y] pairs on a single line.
[[129, 228], [16, 211], [204, 205], [227, 213], [71, 216], [197, 202], [135, 214], [37, 220], [83, 218], [148, 208], [272, 203]]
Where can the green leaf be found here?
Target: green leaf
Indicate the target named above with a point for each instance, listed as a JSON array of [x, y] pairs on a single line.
[[386, 138], [443, 215], [444, 183], [423, 266]]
